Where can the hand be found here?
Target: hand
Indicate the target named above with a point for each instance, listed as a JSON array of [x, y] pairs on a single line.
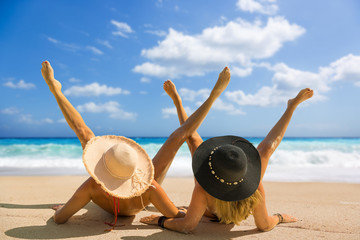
[[284, 218], [152, 220], [57, 207], [288, 218]]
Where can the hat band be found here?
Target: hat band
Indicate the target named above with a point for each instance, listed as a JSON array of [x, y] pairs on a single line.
[[111, 173], [214, 173]]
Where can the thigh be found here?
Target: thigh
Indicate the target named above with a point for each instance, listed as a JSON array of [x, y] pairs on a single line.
[[194, 142], [167, 152]]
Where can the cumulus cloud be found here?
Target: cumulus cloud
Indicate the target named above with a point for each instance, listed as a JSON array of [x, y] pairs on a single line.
[[122, 29], [236, 43], [94, 89], [263, 6], [287, 81], [112, 108], [20, 85], [201, 95]]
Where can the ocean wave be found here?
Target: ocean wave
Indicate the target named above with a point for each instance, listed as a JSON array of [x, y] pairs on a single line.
[[297, 155]]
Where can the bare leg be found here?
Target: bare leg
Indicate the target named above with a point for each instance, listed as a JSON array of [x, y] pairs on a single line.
[[194, 140], [167, 152], [267, 147], [72, 116]]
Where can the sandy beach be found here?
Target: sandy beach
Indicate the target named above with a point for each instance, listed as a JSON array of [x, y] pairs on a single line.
[[324, 211]]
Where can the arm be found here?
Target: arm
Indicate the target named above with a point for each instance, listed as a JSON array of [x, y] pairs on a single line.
[[263, 221], [73, 117], [162, 202], [193, 216], [80, 198]]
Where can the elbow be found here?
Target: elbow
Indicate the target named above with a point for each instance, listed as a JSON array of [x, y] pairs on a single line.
[[59, 220], [187, 230], [264, 227]]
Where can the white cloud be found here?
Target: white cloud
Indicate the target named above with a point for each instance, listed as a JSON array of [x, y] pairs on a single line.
[[287, 82], [62, 120], [167, 112], [53, 40], [94, 50], [241, 72], [28, 119], [156, 70], [191, 95], [111, 107], [158, 33], [263, 6], [74, 47], [74, 80], [10, 111], [346, 68], [94, 89], [21, 85], [121, 29], [201, 95], [236, 43], [220, 105], [104, 43], [145, 80], [143, 92], [67, 46]]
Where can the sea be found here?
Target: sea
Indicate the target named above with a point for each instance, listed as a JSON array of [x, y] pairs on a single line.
[[295, 160]]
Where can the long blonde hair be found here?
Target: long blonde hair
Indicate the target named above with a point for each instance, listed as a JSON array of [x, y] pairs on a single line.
[[235, 212]]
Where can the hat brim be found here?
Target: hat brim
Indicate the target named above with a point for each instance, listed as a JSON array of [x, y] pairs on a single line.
[[120, 188], [217, 189]]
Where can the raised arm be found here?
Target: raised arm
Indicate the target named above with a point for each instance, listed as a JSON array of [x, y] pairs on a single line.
[[73, 117]]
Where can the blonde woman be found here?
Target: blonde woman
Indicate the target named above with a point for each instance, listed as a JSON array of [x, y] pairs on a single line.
[[228, 174], [123, 179]]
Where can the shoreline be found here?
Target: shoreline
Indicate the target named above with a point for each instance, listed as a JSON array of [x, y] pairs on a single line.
[[324, 210]]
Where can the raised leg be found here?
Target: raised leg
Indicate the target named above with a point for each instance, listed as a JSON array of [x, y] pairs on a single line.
[[194, 140], [167, 152], [72, 116], [267, 147]]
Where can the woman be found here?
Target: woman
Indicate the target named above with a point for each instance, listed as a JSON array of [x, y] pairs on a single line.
[[228, 174], [121, 173]]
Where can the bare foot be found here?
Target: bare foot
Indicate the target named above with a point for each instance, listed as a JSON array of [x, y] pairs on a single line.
[[170, 89], [303, 95], [57, 207], [48, 74], [222, 82]]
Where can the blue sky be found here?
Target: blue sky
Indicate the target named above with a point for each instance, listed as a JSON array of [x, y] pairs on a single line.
[[112, 58]]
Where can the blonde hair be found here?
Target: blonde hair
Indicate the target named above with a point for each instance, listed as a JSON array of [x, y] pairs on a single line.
[[235, 212]]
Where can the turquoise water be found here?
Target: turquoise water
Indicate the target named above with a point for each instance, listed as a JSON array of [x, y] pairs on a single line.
[[296, 159]]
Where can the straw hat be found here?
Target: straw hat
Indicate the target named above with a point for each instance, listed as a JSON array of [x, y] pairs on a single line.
[[119, 165], [227, 167]]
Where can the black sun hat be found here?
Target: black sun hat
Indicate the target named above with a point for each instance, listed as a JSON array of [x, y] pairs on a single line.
[[227, 167]]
